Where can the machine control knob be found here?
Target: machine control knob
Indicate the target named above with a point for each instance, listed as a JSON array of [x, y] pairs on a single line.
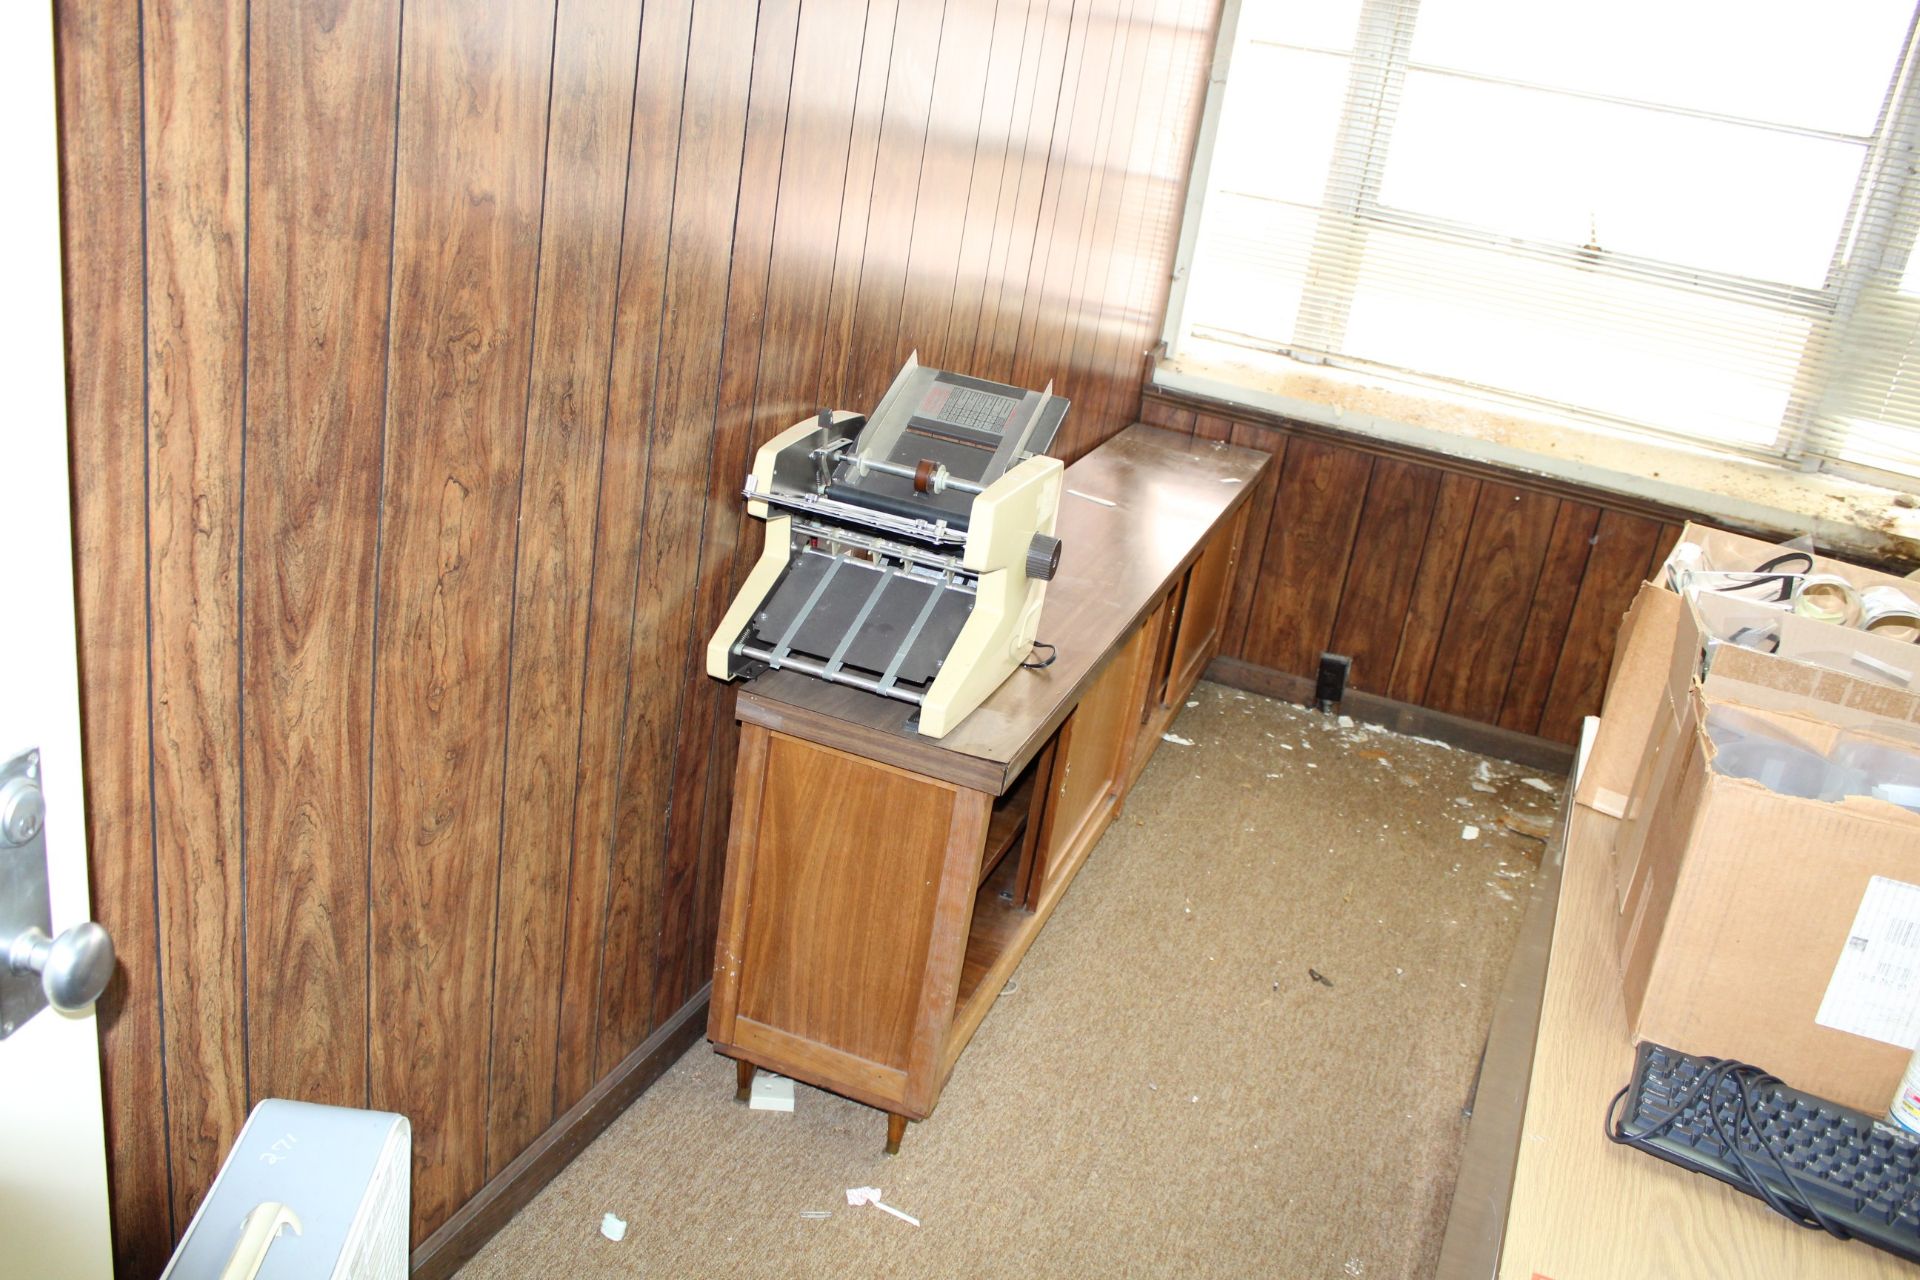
[[1043, 557], [74, 968]]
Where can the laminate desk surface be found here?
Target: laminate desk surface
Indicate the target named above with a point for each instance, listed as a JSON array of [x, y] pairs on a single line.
[[1585, 1208], [1133, 513]]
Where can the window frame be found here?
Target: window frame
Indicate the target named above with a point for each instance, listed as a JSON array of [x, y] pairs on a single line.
[[1873, 244]]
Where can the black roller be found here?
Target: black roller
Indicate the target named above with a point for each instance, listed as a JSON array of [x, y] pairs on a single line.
[[1043, 557]]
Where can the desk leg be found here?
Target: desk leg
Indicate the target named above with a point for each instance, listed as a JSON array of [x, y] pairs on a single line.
[[896, 1130], [743, 1080]]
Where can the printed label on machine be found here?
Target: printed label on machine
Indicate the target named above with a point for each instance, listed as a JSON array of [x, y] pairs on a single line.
[[1875, 988]]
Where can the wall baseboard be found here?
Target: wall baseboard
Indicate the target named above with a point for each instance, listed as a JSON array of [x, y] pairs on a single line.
[[507, 1192], [1401, 717]]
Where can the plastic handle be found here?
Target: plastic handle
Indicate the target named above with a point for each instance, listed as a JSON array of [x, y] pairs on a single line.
[[257, 1234]]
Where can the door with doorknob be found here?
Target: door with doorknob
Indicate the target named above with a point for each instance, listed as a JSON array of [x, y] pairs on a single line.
[[53, 963]]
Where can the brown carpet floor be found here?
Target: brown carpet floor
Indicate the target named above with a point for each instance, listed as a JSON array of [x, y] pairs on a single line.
[[1165, 1089]]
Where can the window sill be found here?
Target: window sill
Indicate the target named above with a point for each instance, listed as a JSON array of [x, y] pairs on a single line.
[[1846, 516]]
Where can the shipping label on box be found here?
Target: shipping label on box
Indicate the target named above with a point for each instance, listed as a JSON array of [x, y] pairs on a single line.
[[1875, 988]]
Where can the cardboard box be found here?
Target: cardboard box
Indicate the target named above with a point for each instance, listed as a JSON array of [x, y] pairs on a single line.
[[1643, 659], [1841, 677], [1737, 553], [1743, 933], [1664, 644]]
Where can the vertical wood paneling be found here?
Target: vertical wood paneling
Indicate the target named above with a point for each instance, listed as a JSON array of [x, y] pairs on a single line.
[[1316, 512], [707, 733], [1253, 543], [1622, 547], [417, 351], [1005, 106], [1093, 244], [1498, 572], [1045, 341], [1183, 57], [870, 360], [466, 235], [1022, 191], [1433, 585], [1493, 601], [1159, 413], [586, 181], [1663, 545], [595, 885], [196, 114], [1556, 588], [944, 189], [321, 164], [1379, 587], [645, 938], [859, 193], [813, 173], [1212, 427], [100, 167], [1115, 373]]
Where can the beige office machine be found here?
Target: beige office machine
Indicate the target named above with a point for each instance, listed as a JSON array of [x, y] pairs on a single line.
[[908, 552]]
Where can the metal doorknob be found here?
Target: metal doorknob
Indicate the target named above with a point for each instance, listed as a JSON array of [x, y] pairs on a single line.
[[74, 968]]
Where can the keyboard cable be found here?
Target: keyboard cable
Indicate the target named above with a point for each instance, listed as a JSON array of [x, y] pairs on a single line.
[[1745, 1078]]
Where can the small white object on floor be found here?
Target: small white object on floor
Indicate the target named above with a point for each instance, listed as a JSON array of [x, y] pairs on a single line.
[[613, 1228], [1540, 784], [1176, 739], [1469, 832], [1346, 722], [871, 1195], [1193, 704], [815, 1215], [771, 1092]]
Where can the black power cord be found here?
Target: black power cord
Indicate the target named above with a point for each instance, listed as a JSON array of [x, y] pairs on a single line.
[[1775, 571], [1045, 662]]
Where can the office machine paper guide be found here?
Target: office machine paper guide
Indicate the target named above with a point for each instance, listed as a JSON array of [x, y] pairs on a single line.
[[907, 553]]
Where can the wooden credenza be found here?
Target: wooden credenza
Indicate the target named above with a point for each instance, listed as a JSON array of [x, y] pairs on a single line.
[[881, 886]]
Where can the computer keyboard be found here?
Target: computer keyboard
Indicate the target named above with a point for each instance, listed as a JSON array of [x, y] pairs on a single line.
[[1821, 1164]]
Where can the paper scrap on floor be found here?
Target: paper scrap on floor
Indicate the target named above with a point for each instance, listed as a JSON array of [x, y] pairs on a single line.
[[871, 1195], [771, 1092]]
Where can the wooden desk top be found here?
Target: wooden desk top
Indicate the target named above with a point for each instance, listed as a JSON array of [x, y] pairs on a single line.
[[1586, 1209], [1167, 494]]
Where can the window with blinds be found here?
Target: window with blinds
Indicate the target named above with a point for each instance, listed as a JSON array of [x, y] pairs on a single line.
[[1691, 218]]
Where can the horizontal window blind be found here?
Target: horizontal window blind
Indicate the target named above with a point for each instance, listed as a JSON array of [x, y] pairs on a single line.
[[1687, 218]]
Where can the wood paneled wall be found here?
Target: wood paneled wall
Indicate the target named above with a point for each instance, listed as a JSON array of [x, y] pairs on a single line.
[[417, 350], [1470, 590]]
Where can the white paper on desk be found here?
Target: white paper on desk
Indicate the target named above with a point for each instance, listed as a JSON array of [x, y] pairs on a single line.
[[1875, 988]]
